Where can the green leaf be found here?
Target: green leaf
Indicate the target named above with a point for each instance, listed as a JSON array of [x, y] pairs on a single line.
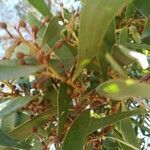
[[123, 37], [41, 7], [115, 65], [146, 32], [52, 30], [34, 21], [8, 123], [96, 17], [142, 6], [125, 143], [129, 56], [108, 42], [13, 105], [96, 123], [65, 56], [24, 130], [124, 89], [141, 126], [76, 135], [7, 141], [137, 46], [63, 103], [13, 71], [130, 11], [135, 34], [128, 133]]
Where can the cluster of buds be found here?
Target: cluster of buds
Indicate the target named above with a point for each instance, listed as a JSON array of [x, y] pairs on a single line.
[[35, 107]]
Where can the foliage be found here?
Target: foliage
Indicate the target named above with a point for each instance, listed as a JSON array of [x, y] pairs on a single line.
[[76, 78]]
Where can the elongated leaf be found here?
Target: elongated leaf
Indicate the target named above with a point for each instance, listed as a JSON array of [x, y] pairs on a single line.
[[14, 104], [130, 146], [89, 122], [137, 46], [123, 37], [130, 11], [142, 6], [76, 135], [124, 89], [96, 17], [51, 31], [128, 133], [13, 71], [96, 123], [7, 141], [41, 6], [109, 41], [34, 21], [63, 102], [24, 130]]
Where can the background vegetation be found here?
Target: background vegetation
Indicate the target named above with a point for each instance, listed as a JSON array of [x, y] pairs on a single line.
[[77, 79]]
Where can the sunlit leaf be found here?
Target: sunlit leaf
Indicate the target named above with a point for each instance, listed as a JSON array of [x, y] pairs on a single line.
[[124, 89], [96, 17]]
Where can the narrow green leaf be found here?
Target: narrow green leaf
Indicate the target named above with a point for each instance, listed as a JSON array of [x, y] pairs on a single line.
[[76, 135], [13, 71], [137, 46], [98, 123], [13, 105], [65, 56], [7, 141], [124, 89], [34, 21], [128, 133], [24, 130], [108, 42], [125, 143], [63, 103], [123, 37], [52, 30], [130, 11], [97, 15], [142, 6], [41, 6]]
